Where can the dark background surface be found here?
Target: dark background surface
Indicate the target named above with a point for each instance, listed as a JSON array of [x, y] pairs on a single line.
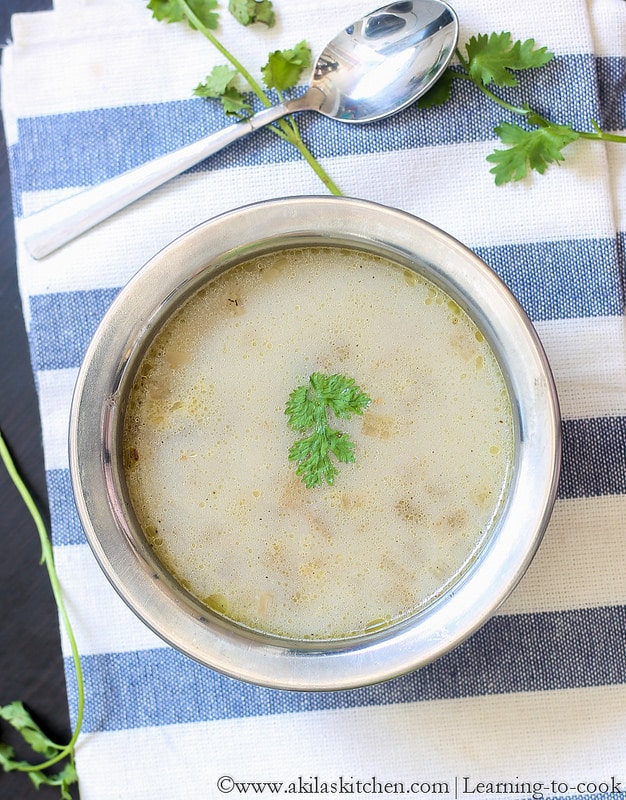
[[31, 667]]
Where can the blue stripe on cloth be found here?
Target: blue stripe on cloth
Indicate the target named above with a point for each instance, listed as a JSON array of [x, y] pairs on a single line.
[[553, 280], [63, 324], [65, 523], [518, 653], [86, 147], [614, 786], [594, 457], [621, 260], [612, 89], [561, 279]]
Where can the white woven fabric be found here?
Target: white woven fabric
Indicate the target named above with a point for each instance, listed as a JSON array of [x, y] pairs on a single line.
[[536, 699]]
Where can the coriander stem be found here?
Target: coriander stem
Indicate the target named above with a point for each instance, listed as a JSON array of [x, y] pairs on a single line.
[[254, 84], [502, 103], [291, 120], [47, 558], [285, 128], [317, 168], [293, 137], [598, 134], [603, 136]]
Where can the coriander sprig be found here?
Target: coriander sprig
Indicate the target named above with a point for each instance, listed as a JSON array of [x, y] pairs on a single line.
[[281, 72], [15, 713], [249, 11], [307, 411], [493, 60]]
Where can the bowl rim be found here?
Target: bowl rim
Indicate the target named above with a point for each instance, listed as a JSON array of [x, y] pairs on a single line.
[[166, 280]]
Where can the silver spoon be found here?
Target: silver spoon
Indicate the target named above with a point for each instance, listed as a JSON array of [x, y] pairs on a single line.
[[372, 69]]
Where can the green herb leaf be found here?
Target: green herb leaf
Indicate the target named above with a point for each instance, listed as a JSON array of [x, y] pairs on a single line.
[[284, 67], [282, 70], [166, 10], [7, 758], [235, 104], [249, 11], [174, 11], [17, 716], [530, 149], [307, 408], [63, 779], [15, 713], [220, 84], [528, 56], [215, 84], [438, 94], [491, 58]]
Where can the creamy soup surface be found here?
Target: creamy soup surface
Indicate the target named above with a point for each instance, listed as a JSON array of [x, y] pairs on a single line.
[[206, 444]]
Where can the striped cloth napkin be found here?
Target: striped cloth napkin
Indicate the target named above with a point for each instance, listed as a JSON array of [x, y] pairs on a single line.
[[534, 704]]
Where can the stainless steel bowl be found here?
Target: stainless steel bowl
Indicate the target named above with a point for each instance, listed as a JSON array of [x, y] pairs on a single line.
[[96, 453]]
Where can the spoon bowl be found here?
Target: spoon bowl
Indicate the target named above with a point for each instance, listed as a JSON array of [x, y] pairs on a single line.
[[385, 61], [372, 69]]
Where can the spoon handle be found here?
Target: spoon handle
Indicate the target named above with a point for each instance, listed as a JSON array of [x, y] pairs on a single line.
[[51, 228]]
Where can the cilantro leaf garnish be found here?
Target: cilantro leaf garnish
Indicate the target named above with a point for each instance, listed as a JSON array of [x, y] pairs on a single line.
[[530, 149], [492, 58], [19, 718], [307, 409], [15, 714], [284, 67], [281, 72], [488, 61], [220, 84], [166, 10], [176, 11], [249, 11], [438, 94]]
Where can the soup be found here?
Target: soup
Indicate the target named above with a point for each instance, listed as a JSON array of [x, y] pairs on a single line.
[[206, 444]]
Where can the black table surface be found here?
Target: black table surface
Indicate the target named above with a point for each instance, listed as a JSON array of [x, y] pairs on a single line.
[[31, 666]]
